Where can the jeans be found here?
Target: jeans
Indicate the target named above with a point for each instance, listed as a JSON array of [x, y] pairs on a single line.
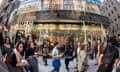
[[55, 70], [67, 63], [45, 59]]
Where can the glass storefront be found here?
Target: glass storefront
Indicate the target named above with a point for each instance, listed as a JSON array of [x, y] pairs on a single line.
[[61, 33], [60, 21]]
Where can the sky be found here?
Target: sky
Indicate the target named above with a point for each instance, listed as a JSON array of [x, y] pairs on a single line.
[[102, 0], [118, 0], [0, 1]]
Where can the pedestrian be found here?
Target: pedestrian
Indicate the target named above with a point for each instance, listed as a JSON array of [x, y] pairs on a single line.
[[82, 58], [17, 57], [3, 66], [1, 39], [7, 46], [95, 50], [56, 58], [99, 50], [7, 49], [23, 39], [33, 62], [77, 52], [17, 37], [45, 54], [68, 54], [108, 58], [117, 44], [31, 49], [91, 50]]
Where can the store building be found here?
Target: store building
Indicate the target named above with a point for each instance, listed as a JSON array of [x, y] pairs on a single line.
[[61, 20]]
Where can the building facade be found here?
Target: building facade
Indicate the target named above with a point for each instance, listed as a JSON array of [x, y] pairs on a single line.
[[112, 8], [6, 7], [60, 20]]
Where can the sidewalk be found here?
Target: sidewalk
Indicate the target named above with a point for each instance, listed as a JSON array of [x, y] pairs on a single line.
[[42, 68], [92, 67]]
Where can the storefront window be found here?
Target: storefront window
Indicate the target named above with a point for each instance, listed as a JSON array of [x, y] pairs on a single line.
[[50, 33]]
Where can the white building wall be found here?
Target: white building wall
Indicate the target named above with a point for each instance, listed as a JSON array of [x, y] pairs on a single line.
[[113, 11]]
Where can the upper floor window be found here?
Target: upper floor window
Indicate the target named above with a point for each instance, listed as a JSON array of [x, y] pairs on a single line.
[[106, 8], [112, 11], [117, 26], [115, 8], [112, 3], [115, 19], [109, 5], [109, 14], [119, 17]]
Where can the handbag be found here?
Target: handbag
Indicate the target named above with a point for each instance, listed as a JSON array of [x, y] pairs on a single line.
[[101, 69], [56, 63], [7, 60]]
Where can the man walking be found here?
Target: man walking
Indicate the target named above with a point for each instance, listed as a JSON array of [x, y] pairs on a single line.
[[56, 58]]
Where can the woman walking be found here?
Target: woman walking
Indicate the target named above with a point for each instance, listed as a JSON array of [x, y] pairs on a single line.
[[17, 59], [7, 49], [82, 58]]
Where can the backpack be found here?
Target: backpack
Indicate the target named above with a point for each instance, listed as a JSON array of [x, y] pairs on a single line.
[[108, 57], [8, 59]]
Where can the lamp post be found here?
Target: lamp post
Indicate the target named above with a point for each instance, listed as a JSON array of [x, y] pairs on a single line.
[[103, 35]]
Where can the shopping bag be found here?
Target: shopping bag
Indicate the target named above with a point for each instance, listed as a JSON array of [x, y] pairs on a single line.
[[56, 63]]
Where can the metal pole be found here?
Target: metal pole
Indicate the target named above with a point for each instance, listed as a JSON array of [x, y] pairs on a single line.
[[84, 27], [103, 35], [85, 35]]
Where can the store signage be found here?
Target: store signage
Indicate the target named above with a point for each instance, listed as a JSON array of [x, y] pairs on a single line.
[[28, 8]]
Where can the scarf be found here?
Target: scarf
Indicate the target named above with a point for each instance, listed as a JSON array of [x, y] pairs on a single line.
[[19, 57]]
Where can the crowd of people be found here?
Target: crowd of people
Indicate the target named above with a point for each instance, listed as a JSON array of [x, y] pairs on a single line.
[[108, 60], [21, 56]]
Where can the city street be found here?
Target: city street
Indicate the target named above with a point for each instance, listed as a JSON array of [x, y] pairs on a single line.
[[60, 28], [72, 66]]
